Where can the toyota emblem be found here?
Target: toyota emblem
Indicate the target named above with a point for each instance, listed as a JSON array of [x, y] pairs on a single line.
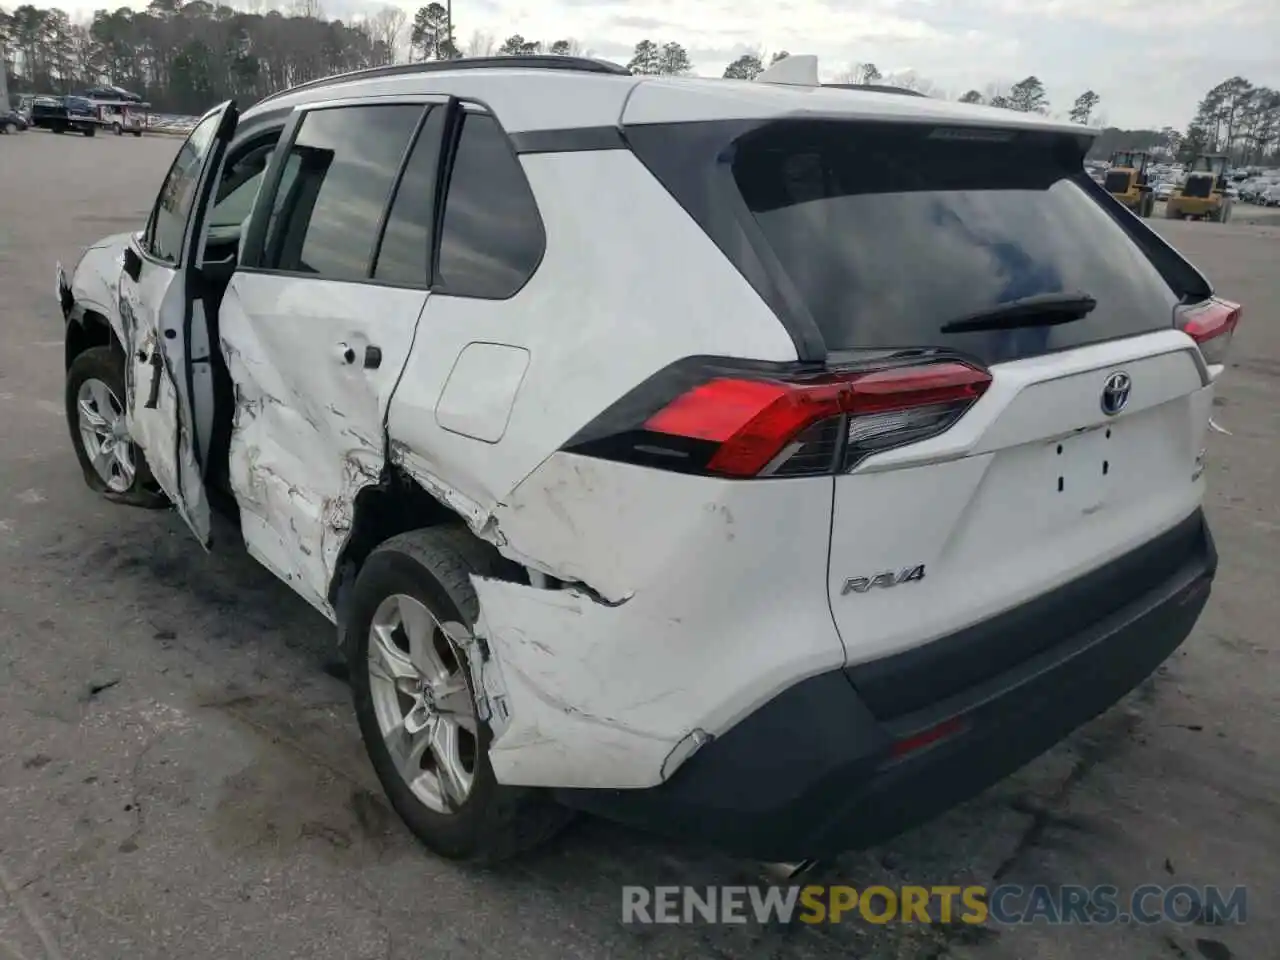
[[1115, 393]]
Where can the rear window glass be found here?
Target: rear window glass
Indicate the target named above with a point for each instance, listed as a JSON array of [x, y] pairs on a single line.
[[886, 233]]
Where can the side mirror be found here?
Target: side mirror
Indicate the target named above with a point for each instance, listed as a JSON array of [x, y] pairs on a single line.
[[132, 263]]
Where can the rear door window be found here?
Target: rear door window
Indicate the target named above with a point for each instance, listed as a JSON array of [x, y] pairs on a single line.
[[885, 233], [327, 218]]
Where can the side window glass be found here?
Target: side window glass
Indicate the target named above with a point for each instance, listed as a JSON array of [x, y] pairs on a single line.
[[325, 216], [492, 238], [168, 223], [405, 253]]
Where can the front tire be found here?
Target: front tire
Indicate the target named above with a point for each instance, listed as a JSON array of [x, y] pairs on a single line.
[[415, 703], [112, 464], [117, 130]]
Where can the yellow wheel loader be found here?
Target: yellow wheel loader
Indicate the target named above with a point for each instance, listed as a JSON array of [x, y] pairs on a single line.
[[1203, 195], [1127, 181]]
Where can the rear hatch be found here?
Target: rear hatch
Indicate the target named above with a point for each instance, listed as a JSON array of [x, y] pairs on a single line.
[[991, 465], [1085, 443]]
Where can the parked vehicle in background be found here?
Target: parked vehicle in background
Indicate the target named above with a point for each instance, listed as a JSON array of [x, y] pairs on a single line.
[[1271, 198], [11, 121], [65, 114], [1164, 190], [122, 116]]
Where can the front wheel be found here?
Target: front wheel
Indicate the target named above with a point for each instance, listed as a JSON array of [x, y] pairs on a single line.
[[112, 463], [416, 705], [117, 129]]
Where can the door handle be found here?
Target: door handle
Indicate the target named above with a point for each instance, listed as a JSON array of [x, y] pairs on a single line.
[[372, 357]]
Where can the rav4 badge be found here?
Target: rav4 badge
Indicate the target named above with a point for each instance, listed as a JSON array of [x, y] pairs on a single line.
[[886, 579]]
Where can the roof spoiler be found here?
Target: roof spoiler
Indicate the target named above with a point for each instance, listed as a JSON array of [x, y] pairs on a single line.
[[798, 70]]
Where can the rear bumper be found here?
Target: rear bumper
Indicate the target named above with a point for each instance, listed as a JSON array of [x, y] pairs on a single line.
[[816, 771]]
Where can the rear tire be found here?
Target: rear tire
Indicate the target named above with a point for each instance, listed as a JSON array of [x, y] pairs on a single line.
[[104, 367], [430, 571], [89, 131]]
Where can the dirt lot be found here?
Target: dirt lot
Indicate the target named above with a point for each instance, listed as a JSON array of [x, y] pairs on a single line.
[[180, 773]]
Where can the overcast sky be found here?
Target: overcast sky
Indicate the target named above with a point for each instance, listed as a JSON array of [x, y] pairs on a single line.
[[1150, 61]]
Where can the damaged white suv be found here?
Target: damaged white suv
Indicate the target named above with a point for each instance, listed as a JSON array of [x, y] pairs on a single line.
[[765, 465]]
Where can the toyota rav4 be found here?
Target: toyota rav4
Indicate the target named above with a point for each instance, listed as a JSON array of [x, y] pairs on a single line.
[[765, 465]]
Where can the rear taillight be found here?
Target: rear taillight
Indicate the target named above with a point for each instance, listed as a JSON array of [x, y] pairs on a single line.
[[760, 422], [1211, 324]]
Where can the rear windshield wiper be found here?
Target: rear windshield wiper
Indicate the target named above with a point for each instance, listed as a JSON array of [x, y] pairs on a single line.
[[1041, 310]]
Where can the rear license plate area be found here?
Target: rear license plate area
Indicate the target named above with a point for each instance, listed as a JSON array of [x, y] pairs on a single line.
[[1082, 469]]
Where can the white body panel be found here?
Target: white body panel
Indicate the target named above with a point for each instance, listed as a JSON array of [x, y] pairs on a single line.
[[523, 99], [677, 100], [987, 518], [481, 390], [580, 319], [308, 423], [727, 587], [95, 281]]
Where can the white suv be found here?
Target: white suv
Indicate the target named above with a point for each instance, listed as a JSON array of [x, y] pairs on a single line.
[[765, 465]]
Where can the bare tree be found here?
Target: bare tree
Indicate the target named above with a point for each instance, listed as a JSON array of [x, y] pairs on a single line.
[[860, 73], [910, 80], [306, 8], [481, 44], [386, 28]]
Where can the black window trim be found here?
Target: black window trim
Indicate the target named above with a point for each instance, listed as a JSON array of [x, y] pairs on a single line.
[[455, 109], [419, 131], [449, 151], [255, 240]]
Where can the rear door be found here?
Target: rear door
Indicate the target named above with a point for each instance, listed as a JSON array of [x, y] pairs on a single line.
[[1086, 442], [162, 320], [318, 322]]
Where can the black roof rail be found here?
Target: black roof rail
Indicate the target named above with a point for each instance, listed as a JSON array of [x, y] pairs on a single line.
[[876, 88], [533, 61]]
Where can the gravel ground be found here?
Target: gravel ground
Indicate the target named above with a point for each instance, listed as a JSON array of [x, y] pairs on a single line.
[[180, 773]]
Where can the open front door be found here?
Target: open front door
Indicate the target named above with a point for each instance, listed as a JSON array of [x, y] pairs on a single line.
[[166, 363]]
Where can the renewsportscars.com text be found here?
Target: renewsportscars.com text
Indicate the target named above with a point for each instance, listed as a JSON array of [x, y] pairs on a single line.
[[1005, 904]]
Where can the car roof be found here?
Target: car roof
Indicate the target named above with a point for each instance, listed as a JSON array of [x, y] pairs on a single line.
[[526, 97]]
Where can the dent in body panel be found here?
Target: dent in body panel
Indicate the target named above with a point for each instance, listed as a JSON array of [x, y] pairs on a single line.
[[95, 281], [566, 717], [318, 525], [590, 692]]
